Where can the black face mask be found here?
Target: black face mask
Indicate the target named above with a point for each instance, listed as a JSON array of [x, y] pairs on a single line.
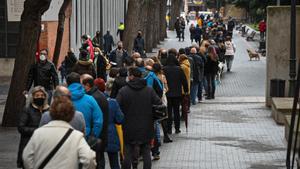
[[119, 47], [39, 101]]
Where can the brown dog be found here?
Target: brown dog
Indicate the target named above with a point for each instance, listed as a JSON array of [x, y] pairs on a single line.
[[253, 54]]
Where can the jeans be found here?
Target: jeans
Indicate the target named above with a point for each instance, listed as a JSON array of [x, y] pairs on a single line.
[[173, 109], [194, 92], [100, 156], [132, 153], [211, 85], [229, 60], [181, 35], [200, 89]]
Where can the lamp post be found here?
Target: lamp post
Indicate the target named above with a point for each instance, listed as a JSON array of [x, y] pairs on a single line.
[[293, 61]]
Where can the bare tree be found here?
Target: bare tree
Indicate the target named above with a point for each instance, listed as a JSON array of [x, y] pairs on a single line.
[[60, 30], [175, 12], [162, 21], [30, 29]]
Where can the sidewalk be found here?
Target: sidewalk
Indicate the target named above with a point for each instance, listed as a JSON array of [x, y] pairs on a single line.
[[235, 131]]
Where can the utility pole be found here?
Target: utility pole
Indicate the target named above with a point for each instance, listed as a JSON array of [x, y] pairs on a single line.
[[292, 72]]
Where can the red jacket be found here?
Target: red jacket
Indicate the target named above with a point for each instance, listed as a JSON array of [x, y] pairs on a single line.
[[91, 49], [262, 26]]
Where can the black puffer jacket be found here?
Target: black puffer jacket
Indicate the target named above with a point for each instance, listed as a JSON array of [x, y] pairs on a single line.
[[136, 100], [42, 74], [103, 104], [29, 120]]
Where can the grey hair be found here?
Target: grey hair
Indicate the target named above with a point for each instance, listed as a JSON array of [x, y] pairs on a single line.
[[33, 91]]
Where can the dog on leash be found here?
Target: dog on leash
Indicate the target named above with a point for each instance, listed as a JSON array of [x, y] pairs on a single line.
[[253, 55], [220, 72]]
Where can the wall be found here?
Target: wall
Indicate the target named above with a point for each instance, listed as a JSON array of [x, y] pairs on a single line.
[[86, 18], [278, 45]]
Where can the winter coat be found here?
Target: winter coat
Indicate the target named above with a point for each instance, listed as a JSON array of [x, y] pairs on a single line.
[[185, 66], [231, 25], [136, 101], [70, 61], [139, 46], [125, 57], [198, 68], [153, 81], [230, 49], [42, 74], [74, 150], [108, 42], [103, 104], [29, 120], [101, 67], [177, 25], [117, 85], [86, 104], [262, 26], [176, 80], [85, 67], [211, 67], [115, 117], [98, 42], [192, 32]]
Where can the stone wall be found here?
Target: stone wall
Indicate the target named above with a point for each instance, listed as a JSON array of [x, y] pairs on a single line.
[[278, 46]]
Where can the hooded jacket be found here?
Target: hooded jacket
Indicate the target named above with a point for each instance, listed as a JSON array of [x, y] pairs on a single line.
[[86, 104], [185, 66], [136, 101]]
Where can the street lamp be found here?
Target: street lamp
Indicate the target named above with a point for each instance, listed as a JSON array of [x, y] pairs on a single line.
[[292, 72]]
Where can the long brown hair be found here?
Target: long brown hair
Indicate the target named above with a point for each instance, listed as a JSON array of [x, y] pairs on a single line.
[[212, 53]]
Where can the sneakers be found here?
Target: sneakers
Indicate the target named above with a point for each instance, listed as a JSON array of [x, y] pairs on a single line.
[[177, 131], [156, 157]]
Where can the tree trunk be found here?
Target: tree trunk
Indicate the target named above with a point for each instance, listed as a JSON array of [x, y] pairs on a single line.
[[162, 21], [156, 25], [150, 25], [30, 28], [175, 12], [60, 30], [132, 23]]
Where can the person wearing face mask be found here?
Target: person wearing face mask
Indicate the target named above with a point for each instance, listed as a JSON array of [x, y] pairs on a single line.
[[139, 44], [98, 40], [29, 118], [101, 63], [119, 56], [42, 73], [108, 42]]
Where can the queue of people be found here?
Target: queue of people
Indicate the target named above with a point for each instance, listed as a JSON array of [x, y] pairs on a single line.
[[110, 99]]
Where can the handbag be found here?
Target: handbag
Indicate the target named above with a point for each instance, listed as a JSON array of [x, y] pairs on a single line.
[[56, 148], [159, 112]]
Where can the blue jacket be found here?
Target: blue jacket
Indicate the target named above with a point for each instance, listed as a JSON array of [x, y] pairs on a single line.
[[88, 106], [115, 117]]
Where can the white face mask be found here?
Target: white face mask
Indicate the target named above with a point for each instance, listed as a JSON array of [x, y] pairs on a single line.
[[43, 57], [96, 53]]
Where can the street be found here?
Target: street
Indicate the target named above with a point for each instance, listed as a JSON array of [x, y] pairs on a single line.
[[234, 131]]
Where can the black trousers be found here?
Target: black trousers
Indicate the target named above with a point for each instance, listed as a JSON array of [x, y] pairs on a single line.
[[211, 85], [173, 110], [132, 153]]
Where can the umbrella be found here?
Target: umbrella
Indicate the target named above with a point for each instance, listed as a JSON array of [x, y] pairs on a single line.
[[186, 109]]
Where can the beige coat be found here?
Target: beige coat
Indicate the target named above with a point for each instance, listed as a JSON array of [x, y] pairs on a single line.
[[75, 150]]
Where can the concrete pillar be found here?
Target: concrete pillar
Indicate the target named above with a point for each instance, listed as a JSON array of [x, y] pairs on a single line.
[[278, 45]]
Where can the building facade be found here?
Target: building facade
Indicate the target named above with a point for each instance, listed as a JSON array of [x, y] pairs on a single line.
[[83, 17]]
